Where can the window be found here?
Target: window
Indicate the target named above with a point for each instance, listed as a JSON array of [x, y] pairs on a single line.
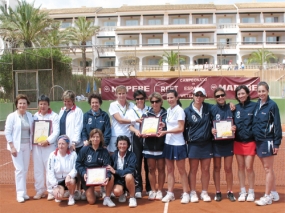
[[88, 43], [202, 40], [153, 41], [154, 22], [88, 63], [272, 39], [110, 63], [110, 23], [225, 20], [132, 22], [179, 21], [248, 20], [202, 21], [153, 61], [249, 39], [179, 40], [131, 42], [65, 24], [109, 43], [271, 19]]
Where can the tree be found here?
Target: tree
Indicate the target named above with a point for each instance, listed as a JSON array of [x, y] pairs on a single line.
[[24, 25], [260, 57], [80, 33], [171, 58]]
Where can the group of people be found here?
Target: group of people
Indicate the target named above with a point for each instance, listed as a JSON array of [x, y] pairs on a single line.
[[80, 141]]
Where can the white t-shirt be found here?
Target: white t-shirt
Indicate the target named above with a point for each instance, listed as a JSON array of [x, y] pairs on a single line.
[[117, 128], [173, 116], [136, 113]]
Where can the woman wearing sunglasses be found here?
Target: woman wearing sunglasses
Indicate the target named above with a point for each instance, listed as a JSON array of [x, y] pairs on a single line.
[[137, 146], [222, 148], [175, 150], [244, 145], [197, 133], [153, 148]]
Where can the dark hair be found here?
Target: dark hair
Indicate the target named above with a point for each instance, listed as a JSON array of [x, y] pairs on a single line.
[[43, 98], [139, 92], [219, 89], [263, 83], [240, 87], [21, 96], [93, 132], [175, 94], [123, 138], [96, 96]]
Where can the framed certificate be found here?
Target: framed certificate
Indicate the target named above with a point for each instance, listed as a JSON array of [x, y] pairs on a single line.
[[42, 130], [150, 126], [224, 129], [96, 176]]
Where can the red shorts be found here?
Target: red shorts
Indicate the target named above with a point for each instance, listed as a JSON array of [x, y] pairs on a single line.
[[248, 148]]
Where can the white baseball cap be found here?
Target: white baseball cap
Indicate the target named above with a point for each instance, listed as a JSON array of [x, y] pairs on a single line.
[[200, 89]]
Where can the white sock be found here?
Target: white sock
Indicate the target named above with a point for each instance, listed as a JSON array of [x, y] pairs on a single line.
[[203, 191], [251, 191], [273, 192], [242, 190]]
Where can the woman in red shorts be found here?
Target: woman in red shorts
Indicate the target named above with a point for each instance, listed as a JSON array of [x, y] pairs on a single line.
[[244, 145]]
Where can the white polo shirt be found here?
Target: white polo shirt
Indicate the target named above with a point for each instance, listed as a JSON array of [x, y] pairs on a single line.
[[173, 116], [136, 113], [117, 128]]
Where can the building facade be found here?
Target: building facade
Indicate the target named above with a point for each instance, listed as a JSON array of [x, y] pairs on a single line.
[[133, 39]]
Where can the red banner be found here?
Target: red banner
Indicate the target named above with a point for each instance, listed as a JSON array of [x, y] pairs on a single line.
[[184, 86]]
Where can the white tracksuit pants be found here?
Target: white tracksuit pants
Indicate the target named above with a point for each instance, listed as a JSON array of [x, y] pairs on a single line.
[[40, 159], [21, 164]]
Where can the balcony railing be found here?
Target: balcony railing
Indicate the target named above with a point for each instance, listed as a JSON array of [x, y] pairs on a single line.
[[128, 45], [275, 42], [202, 43], [251, 42], [107, 29], [180, 44], [226, 26], [151, 45]]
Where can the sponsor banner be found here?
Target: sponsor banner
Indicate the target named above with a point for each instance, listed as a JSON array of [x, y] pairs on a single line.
[[184, 86]]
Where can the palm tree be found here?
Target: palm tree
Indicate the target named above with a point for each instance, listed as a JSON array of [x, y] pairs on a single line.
[[55, 37], [24, 25], [170, 58], [260, 57], [80, 33]]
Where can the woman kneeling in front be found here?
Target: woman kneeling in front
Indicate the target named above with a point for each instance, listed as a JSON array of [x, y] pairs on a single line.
[[61, 170]]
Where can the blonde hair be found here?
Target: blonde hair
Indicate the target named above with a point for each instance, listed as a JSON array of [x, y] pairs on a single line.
[[123, 88], [68, 94]]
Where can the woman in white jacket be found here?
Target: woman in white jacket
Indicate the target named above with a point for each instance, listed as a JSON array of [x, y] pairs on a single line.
[[18, 133], [42, 150], [61, 170]]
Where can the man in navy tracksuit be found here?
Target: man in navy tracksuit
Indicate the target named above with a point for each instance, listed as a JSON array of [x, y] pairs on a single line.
[[99, 120]]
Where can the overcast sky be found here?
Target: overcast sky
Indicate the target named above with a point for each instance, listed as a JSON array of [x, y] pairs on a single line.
[[51, 4]]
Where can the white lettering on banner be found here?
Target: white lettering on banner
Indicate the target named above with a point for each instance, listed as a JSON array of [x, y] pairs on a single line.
[[134, 88], [233, 87], [193, 79], [165, 88]]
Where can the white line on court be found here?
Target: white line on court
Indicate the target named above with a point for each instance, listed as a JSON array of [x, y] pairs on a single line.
[[165, 210], [5, 163]]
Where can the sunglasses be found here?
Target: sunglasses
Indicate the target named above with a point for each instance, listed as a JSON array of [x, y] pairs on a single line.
[[221, 95], [157, 101], [139, 99], [199, 95]]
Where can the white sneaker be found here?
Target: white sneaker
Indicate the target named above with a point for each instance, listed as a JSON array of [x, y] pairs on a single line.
[[250, 197], [151, 195], [138, 195], [108, 202], [122, 198], [159, 195], [205, 197], [38, 196], [71, 201], [112, 195], [20, 199], [274, 196], [83, 196], [57, 201], [103, 192], [132, 202], [242, 196], [77, 195], [50, 196], [66, 194], [263, 201], [193, 197], [168, 197], [27, 197], [185, 198]]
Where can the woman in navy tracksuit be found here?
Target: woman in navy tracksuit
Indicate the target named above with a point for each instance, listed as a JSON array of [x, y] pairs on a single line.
[[94, 155], [222, 148], [95, 118], [268, 135], [198, 134]]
